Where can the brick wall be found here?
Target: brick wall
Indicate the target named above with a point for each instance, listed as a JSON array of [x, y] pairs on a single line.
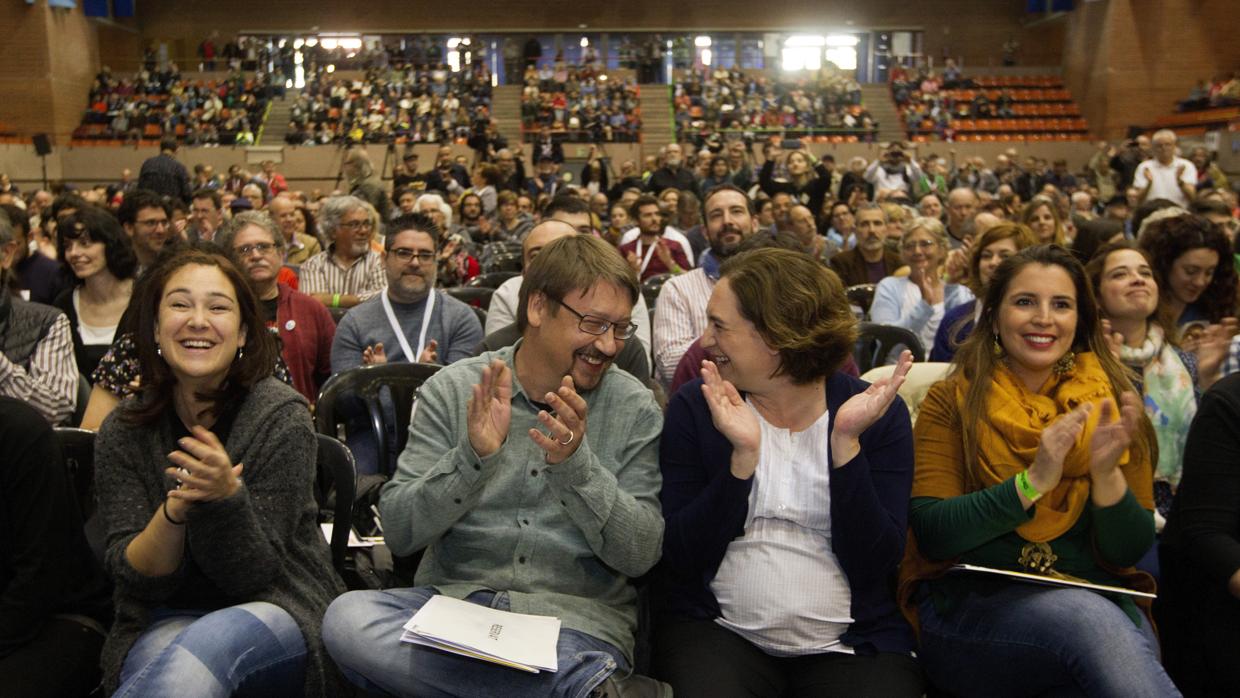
[[1132, 60], [47, 61]]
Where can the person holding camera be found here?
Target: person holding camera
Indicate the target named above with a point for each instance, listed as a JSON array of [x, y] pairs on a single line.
[[893, 172]]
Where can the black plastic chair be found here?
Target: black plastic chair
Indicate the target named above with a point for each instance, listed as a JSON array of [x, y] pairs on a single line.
[[506, 262], [651, 288], [491, 279], [875, 343], [78, 448], [364, 382], [335, 489], [477, 297], [482, 315], [862, 296], [83, 398]]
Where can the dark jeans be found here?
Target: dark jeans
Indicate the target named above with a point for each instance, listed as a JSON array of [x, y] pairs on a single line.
[[62, 660], [702, 658]]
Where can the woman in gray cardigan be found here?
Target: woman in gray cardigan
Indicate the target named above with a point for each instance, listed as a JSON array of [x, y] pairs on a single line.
[[205, 480]]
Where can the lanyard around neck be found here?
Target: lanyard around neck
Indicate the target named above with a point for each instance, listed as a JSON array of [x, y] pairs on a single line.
[[400, 335], [649, 254]]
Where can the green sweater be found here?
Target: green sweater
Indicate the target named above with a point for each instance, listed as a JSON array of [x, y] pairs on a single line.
[[979, 528]]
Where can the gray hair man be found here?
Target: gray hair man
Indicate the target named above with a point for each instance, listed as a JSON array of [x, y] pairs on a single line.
[[348, 271]]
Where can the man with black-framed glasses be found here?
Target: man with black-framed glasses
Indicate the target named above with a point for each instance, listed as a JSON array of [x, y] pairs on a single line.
[[410, 321], [531, 479], [348, 271]]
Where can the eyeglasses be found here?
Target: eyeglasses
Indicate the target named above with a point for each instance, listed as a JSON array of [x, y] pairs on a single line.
[[159, 223], [262, 248], [598, 326], [358, 225], [404, 254], [919, 245]]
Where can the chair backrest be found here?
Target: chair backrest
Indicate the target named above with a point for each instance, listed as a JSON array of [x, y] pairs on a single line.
[[83, 398], [401, 381], [651, 288], [491, 279], [337, 313], [482, 315], [337, 472], [876, 342], [861, 295], [506, 262], [920, 377], [478, 297], [78, 447]]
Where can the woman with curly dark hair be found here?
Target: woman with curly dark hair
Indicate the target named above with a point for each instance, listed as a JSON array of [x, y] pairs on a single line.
[[1192, 264]]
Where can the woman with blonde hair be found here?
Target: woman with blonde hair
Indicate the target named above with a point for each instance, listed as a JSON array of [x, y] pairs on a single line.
[[919, 301], [1042, 217]]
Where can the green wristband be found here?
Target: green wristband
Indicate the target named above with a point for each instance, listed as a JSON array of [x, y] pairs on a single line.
[[1026, 488], [335, 300]]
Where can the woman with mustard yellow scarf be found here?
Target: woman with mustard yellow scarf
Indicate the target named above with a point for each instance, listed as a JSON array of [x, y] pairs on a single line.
[[1034, 456]]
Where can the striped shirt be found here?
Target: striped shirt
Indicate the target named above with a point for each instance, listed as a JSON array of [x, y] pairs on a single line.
[[1231, 364], [49, 382], [323, 273], [679, 318], [780, 585]]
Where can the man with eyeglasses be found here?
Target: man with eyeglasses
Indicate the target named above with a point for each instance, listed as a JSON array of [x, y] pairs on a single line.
[[304, 326], [533, 485], [501, 325], [348, 271], [1166, 175], [147, 221], [411, 321]]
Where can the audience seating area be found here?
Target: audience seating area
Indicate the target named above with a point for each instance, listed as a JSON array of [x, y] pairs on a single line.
[[733, 101], [580, 103], [396, 104], [150, 105], [988, 108], [1195, 123]]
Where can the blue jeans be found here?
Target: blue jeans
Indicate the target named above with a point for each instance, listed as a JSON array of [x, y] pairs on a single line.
[[362, 632], [250, 649], [1030, 640]]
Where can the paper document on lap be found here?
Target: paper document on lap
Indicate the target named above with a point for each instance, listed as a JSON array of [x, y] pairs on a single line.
[[514, 640]]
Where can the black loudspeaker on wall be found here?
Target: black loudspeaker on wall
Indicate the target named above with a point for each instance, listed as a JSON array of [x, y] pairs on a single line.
[[42, 145]]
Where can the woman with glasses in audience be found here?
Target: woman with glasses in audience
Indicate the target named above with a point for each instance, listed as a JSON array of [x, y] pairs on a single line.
[[1034, 456], [1192, 265], [785, 493], [988, 252], [206, 483], [1042, 217], [919, 301], [95, 250]]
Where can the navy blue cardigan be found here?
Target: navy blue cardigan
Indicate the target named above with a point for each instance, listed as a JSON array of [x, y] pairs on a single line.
[[705, 508]]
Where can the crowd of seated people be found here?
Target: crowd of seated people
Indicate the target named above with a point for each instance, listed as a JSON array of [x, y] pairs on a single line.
[[580, 103], [734, 101], [1222, 91], [429, 104], [156, 103], [950, 105], [663, 384]]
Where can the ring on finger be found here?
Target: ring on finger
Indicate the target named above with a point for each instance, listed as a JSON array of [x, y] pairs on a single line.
[[569, 440]]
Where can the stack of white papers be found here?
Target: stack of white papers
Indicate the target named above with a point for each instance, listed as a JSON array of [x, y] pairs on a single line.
[[514, 640]]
